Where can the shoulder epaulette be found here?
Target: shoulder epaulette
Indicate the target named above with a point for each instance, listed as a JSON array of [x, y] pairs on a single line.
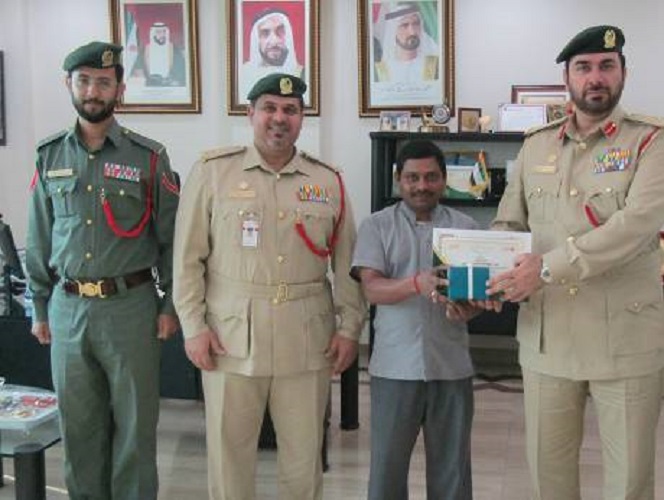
[[146, 142], [546, 126], [312, 159], [213, 154], [648, 120], [52, 138]]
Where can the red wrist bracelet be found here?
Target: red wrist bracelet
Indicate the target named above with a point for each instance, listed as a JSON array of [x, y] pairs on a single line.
[[417, 287]]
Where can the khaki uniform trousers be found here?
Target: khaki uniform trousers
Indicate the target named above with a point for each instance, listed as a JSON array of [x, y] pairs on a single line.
[[627, 411], [234, 409]]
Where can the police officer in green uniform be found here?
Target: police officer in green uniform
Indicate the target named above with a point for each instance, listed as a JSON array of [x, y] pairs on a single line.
[[257, 230], [101, 220], [590, 188]]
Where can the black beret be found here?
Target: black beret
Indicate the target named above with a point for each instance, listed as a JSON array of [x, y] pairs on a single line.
[[280, 84], [93, 55], [593, 40]]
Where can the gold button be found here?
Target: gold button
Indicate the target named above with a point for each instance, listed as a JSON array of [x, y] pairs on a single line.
[[278, 176], [583, 145], [88, 255], [609, 190], [59, 190], [281, 214], [637, 305], [275, 301], [89, 222], [570, 239], [573, 192], [122, 193], [539, 190], [240, 213], [280, 259], [91, 156], [90, 188], [563, 281], [573, 290]]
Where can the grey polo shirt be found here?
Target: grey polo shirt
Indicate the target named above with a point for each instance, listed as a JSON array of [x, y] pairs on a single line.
[[413, 338]]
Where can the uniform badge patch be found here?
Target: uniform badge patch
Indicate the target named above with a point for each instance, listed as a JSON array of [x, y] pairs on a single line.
[[612, 160], [313, 192], [122, 172]]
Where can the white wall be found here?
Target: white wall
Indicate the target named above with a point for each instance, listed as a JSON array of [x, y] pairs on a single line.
[[498, 44]]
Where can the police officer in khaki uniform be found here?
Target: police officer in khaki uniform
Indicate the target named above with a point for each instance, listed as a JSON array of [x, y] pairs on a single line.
[[256, 231], [590, 188], [101, 218]]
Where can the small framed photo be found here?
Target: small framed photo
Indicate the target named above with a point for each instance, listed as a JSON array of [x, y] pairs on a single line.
[[395, 121], [469, 119], [554, 97], [160, 55]]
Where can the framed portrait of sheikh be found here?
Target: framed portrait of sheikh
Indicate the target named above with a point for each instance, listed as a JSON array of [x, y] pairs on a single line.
[[406, 55], [160, 57], [272, 36]]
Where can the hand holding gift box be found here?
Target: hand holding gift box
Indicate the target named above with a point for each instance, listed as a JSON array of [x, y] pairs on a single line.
[[473, 257]]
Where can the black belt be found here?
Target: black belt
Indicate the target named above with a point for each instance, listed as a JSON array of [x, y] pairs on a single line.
[[105, 287]]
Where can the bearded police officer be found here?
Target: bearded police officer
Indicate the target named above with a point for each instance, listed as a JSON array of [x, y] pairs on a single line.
[[101, 217], [256, 231], [590, 188]]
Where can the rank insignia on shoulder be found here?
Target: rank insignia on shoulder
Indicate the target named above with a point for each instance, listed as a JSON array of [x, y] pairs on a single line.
[[612, 160], [59, 173], [122, 172], [315, 193]]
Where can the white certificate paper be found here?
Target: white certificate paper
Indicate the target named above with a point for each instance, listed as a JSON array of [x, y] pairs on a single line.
[[493, 249], [521, 117]]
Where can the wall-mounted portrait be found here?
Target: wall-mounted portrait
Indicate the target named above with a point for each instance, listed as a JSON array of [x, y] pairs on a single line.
[[272, 36]]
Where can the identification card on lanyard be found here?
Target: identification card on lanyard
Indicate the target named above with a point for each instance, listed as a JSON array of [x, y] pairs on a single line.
[[250, 230]]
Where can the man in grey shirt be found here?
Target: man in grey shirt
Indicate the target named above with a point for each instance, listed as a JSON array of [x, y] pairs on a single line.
[[421, 371]]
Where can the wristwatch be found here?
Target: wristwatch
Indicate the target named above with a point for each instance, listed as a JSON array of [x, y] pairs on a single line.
[[545, 274]]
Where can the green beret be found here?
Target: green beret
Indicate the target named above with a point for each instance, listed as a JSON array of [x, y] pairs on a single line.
[[280, 84], [593, 40], [93, 55]]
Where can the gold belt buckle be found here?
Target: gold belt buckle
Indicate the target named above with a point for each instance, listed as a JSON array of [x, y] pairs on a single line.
[[282, 293], [90, 289]]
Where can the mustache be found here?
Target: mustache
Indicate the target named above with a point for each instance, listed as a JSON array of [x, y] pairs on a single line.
[[94, 101]]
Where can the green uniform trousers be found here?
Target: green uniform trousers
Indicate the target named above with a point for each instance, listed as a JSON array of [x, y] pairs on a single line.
[[234, 410], [627, 411], [105, 361]]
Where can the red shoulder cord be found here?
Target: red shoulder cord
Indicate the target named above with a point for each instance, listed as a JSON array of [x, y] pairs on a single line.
[[138, 228], [326, 252]]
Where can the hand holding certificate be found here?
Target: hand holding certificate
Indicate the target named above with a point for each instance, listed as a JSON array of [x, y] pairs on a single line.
[[474, 256]]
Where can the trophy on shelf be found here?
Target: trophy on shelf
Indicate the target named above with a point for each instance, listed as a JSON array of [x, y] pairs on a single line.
[[440, 115]]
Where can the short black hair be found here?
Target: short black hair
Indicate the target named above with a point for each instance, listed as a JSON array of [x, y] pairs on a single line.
[[418, 149]]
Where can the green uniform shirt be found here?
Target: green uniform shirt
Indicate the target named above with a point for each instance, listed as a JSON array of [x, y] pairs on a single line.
[[68, 232]]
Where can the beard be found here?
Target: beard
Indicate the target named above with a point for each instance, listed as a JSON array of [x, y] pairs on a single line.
[[274, 56], [99, 116], [592, 105], [410, 43]]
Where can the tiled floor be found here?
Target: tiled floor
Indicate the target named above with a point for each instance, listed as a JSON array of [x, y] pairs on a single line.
[[499, 469]]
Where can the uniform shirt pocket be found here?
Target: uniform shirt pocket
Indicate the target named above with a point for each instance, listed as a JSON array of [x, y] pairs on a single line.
[[542, 193], [62, 193], [126, 200], [232, 221], [232, 324], [603, 202], [318, 221], [635, 319]]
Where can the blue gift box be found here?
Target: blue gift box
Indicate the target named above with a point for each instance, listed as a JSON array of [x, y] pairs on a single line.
[[467, 282]]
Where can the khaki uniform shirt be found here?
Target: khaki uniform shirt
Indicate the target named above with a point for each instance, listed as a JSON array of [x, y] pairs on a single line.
[[68, 233], [242, 269], [594, 207]]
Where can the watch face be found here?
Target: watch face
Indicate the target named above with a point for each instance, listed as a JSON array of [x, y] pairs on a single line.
[[441, 113]]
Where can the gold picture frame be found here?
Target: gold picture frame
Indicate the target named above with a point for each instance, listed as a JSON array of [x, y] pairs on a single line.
[[385, 81], [555, 97], [160, 57], [297, 53], [469, 119]]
